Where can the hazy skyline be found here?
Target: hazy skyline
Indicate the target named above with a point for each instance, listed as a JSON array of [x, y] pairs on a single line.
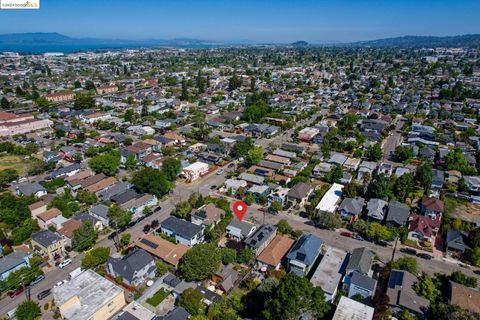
[[260, 21]]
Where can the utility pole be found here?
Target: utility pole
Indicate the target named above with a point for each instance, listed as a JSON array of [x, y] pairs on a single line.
[[394, 249]]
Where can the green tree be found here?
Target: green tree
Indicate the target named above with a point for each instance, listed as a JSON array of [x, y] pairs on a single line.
[[462, 278], [254, 156], [42, 103], [241, 148], [118, 218], [228, 255], [131, 162], [184, 95], [245, 255], [28, 310], [374, 152], [379, 187], [404, 186], [474, 237], [378, 232], [95, 257], [24, 231], [403, 153], [426, 288], [152, 181], [84, 101], [192, 300], [8, 175], [162, 268], [329, 220], [200, 262], [171, 167], [249, 199], [4, 103], [473, 256], [182, 210], [334, 175], [105, 163], [276, 206], [86, 197], [125, 239], [89, 85], [234, 82], [294, 297], [406, 263], [424, 176], [283, 227], [351, 190], [84, 237]]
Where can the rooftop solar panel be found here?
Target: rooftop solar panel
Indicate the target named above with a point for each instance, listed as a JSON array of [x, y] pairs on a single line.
[[149, 243]]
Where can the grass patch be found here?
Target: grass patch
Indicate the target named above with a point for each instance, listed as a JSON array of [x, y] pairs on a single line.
[[452, 203], [158, 297], [19, 163]]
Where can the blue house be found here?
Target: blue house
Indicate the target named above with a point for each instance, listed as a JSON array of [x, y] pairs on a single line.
[[13, 262], [303, 254]]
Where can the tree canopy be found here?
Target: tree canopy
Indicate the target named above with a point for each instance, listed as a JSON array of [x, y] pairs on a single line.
[[153, 181], [200, 262]]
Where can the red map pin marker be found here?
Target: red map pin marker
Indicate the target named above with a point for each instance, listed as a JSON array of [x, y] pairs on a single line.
[[239, 208]]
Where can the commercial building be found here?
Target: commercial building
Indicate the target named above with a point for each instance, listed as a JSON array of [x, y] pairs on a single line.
[[195, 171], [12, 124], [88, 296], [330, 200]]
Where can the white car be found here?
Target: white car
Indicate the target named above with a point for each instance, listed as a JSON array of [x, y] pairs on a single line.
[[65, 263], [61, 282], [220, 171]]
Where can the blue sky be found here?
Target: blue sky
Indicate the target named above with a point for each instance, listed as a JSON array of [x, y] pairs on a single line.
[[257, 20]]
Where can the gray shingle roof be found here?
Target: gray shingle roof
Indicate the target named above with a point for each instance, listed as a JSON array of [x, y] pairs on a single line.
[[131, 263], [299, 191], [12, 260], [363, 281], [306, 249], [45, 237], [260, 236], [181, 227], [360, 260], [397, 213]]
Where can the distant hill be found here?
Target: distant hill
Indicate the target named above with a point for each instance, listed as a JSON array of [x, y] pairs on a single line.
[[300, 43], [34, 37], [468, 40]]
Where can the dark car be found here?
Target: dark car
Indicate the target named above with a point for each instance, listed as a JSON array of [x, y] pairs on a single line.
[[411, 251], [16, 292], [346, 234], [425, 256], [477, 272], [382, 243], [213, 187], [43, 294], [112, 236]]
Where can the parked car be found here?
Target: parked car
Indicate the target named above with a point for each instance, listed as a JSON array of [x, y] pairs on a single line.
[[358, 237], [157, 209], [43, 294], [346, 234], [213, 187], [37, 280], [425, 256], [411, 251], [219, 171], [231, 165], [16, 292], [382, 243], [59, 283], [65, 263]]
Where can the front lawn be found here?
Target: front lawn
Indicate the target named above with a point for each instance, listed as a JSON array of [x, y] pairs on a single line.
[[158, 297]]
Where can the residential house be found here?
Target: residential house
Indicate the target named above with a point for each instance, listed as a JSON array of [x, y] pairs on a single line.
[[239, 230], [226, 278], [358, 273], [366, 167], [170, 253], [183, 231], [299, 193], [135, 268], [195, 171], [349, 309], [456, 243], [67, 231], [100, 211], [29, 189], [397, 214], [48, 244], [465, 297], [67, 171], [37, 207], [402, 296], [330, 200], [207, 215], [279, 194], [261, 238], [178, 313], [88, 296], [377, 209], [303, 254], [234, 185], [13, 262], [351, 208], [423, 228], [135, 311], [251, 178], [432, 207], [272, 256], [45, 219], [329, 272], [438, 179], [360, 284]]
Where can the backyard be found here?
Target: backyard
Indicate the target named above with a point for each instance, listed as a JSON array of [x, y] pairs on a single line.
[[158, 297], [19, 163]]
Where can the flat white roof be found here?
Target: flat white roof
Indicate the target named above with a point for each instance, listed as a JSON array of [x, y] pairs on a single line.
[[349, 309], [327, 275], [330, 200], [196, 166]]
